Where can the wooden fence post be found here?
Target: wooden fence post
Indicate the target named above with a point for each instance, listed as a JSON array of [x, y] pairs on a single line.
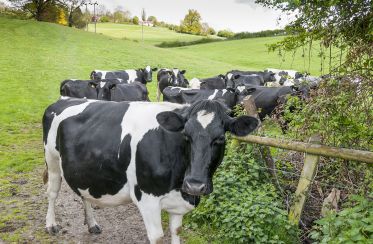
[[308, 172]]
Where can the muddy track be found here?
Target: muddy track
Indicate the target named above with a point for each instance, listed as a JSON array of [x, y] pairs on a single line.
[[121, 224]]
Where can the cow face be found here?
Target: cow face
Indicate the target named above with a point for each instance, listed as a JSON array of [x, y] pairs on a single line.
[[269, 76], [230, 81], [203, 126], [148, 73], [177, 78]]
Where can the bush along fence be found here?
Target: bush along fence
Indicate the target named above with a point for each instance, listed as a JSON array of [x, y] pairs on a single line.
[[313, 150]]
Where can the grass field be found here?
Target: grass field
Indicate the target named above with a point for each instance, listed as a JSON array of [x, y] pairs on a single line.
[[36, 57], [152, 35]]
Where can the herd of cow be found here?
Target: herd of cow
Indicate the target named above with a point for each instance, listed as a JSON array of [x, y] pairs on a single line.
[[113, 146]]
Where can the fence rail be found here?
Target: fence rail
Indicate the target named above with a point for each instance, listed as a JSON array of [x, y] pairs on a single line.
[[315, 149]]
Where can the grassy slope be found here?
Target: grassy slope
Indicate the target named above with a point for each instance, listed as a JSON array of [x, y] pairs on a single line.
[[152, 35]]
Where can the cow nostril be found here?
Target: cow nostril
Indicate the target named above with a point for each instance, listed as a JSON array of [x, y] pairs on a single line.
[[194, 188]]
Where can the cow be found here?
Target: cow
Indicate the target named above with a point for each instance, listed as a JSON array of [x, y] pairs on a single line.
[[160, 156], [115, 91], [187, 95], [83, 88], [170, 77], [217, 82], [242, 80], [195, 83], [284, 77], [266, 98], [128, 76], [268, 76]]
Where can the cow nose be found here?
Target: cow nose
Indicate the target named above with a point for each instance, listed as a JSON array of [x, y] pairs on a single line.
[[195, 189]]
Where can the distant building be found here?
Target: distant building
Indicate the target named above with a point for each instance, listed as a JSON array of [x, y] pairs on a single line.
[[146, 23]]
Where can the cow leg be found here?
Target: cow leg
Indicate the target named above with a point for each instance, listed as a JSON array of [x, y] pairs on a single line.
[[89, 218], [54, 186], [150, 210], [175, 226]]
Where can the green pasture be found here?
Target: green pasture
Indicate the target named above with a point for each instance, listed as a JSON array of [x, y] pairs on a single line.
[[37, 56], [152, 35]]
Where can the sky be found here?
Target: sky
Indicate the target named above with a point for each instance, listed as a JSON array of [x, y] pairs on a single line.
[[236, 15]]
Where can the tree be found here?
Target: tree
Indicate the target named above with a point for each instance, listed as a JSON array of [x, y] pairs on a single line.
[[342, 24], [192, 23], [135, 20], [225, 33], [72, 7], [153, 19], [36, 8]]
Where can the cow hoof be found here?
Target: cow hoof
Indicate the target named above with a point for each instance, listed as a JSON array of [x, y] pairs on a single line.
[[95, 229], [54, 229]]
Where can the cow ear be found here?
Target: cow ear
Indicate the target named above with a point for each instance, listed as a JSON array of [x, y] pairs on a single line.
[[154, 69], [183, 71], [242, 126], [171, 121]]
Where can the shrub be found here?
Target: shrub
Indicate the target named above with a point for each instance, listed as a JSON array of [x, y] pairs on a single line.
[[135, 20], [352, 225], [104, 19], [225, 33], [244, 207]]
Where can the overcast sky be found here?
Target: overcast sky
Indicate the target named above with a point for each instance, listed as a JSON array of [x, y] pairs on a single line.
[[237, 15]]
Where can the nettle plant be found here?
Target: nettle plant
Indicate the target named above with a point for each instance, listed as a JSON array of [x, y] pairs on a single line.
[[354, 224], [244, 207]]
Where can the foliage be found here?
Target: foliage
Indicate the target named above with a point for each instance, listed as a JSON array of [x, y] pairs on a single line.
[[104, 19], [225, 33], [135, 20], [61, 19], [186, 43], [153, 19], [347, 25], [265, 33], [244, 207], [354, 224], [36, 8], [191, 23]]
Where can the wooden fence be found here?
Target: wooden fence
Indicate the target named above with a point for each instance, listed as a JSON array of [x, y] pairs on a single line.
[[313, 150]]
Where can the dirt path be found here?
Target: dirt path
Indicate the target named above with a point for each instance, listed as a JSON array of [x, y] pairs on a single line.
[[121, 224]]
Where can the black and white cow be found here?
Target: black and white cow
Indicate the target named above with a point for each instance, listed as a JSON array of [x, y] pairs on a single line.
[[128, 76], [268, 76], [217, 82], [266, 98], [156, 155], [170, 77], [242, 80], [115, 91], [83, 88], [188, 95], [284, 77]]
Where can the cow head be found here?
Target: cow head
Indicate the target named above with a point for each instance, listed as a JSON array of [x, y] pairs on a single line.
[[203, 126], [148, 73], [105, 88], [177, 78], [230, 81], [269, 76], [242, 92]]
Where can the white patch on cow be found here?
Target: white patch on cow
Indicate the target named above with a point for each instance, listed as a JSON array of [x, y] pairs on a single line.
[[147, 68], [174, 203], [213, 95], [224, 91], [102, 84], [205, 118], [288, 82], [64, 97], [180, 88], [132, 75], [229, 76], [107, 200], [120, 80], [176, 72], [241, 88], [195, 83]]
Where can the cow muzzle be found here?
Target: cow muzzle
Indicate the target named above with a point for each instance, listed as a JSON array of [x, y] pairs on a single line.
[[194, 188]]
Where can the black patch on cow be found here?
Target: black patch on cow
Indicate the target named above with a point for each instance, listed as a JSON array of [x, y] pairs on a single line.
[[56, 109], [193, 200], [161, 161], [89, 147], [137, 192]]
